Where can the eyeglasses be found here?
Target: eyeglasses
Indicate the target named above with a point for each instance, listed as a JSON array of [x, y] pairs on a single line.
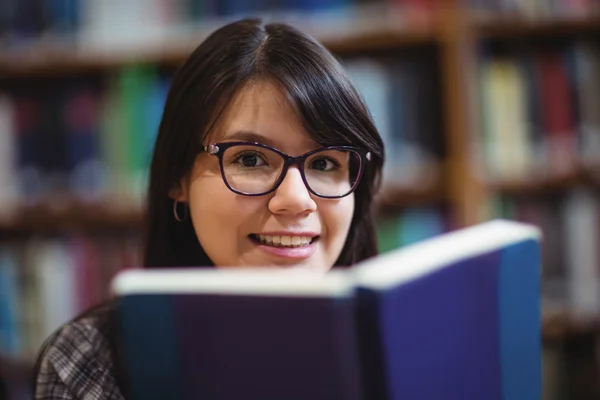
[[255, 169]]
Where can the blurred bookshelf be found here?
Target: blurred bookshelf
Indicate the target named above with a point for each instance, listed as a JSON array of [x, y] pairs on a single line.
[[490, 26], [488, 109], [77, 217], [42, 59]]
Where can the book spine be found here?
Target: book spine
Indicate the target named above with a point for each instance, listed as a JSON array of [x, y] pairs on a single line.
[[370, 346]]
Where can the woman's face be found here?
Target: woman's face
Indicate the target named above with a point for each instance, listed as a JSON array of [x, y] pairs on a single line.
[[229, 226]]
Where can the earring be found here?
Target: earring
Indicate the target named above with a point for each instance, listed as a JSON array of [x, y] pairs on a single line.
[[176, 214]]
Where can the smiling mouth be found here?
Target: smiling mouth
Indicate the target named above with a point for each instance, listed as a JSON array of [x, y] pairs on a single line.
[[283, 241]]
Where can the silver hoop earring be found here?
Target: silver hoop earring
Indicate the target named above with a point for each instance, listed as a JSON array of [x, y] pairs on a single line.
[[176, 214]]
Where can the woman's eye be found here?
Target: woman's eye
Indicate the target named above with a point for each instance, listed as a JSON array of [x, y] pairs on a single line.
[[322, 164], [250, 160]]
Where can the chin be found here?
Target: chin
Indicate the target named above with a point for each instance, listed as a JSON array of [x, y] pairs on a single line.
[[304, 265]]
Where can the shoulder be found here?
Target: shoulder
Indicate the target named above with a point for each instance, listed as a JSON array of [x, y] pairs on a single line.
[[76, 362]]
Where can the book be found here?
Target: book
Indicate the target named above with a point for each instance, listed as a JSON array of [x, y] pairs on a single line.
[[456, 316]]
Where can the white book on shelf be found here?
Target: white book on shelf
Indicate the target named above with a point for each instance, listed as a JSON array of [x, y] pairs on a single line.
[[580, 216], [8, 152], [124, 26], [506, 112], [56, 274], [518, 151]]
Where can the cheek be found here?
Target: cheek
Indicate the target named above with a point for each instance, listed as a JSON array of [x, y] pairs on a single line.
[[337, 218], [219, 216], [211, 206]]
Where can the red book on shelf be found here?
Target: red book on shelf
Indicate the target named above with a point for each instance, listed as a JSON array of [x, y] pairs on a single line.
[[88, 272], [416, 11], [558, 114]]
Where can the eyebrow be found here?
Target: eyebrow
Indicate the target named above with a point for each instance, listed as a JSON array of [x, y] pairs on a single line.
[[249, 136]]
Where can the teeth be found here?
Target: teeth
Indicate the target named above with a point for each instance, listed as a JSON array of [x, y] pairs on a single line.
[[285, 241]]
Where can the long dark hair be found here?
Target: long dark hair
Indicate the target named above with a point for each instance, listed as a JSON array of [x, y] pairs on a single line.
[[317, 86]]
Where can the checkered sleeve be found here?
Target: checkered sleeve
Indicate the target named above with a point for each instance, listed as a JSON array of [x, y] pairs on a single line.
[[76, 365]]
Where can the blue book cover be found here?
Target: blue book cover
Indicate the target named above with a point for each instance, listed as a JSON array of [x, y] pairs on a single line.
[[241, 340], [456, 316]]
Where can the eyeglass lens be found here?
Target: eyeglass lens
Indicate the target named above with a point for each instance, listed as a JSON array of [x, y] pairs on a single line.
[[253, 170]]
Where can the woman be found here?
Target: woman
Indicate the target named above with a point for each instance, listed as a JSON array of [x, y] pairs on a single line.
[[266, 156]]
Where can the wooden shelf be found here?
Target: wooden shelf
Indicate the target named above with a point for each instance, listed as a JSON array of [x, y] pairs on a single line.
[[47, 219], [582, 176], [561, 325], [47, 60], [513, 27], [11, 368], [392, 199], [44, 59], [426, 187], [541, 186], [51, 62], [85, 217]]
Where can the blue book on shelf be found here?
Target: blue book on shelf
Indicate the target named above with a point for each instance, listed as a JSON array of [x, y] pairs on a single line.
[[315, 5], [452, 317], [9, 313], [64, 15]]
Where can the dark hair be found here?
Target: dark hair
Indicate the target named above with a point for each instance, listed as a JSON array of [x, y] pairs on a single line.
[[317, 86]]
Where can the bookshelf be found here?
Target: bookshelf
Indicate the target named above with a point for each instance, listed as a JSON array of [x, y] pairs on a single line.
[[79, 217], [560, 325], [52, 60], [452, 34], [494, 27], [541, 186]]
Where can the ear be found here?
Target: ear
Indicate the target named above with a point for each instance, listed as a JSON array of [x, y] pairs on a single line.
[[180, 191]]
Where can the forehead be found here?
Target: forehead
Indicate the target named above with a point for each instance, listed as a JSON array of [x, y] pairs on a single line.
[[262, 108]]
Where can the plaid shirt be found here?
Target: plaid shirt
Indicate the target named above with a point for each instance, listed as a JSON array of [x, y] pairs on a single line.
[[76, 364]]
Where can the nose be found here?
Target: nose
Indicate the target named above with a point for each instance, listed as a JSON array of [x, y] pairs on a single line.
[[292, 197]]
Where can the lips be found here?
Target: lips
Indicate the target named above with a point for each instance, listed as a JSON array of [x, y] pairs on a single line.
[[286, 245], [283, 240]]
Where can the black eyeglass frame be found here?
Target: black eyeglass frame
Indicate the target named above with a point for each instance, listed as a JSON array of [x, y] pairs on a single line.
[[218, 149]]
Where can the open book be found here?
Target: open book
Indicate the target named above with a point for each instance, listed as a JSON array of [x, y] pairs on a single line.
[[453, 317]]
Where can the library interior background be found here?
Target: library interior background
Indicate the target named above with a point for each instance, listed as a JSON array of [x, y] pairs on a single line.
[[488, 109]]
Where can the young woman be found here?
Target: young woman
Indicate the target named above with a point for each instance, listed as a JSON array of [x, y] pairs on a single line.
[[266, 156]]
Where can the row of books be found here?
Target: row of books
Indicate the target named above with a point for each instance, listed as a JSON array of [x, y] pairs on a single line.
[[403, 95], [539, 9], [80, 138], [570, 223], [46, 281], [144, 21], [91, 139], [539, 110]]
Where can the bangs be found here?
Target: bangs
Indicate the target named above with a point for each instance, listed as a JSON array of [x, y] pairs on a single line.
[[331, 110], [309, 76]]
